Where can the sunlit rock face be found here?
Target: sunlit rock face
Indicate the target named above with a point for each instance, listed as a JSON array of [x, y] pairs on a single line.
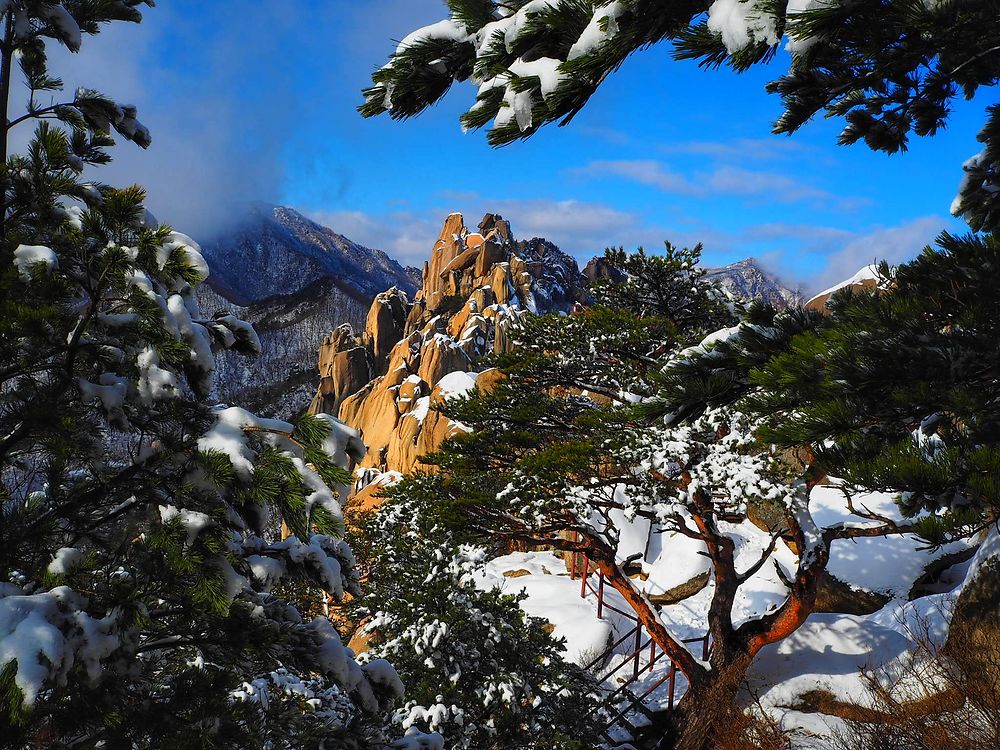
[[414, 353]]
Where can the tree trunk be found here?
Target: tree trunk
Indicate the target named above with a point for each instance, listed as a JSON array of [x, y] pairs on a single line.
[[708, 711], [6, 69]]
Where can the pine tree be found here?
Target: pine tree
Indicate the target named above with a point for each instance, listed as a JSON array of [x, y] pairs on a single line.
[[897, 391], [670, 286], [889, 68], [141, 571], [477, 669], [548, 464], [717, 373], [893, 390]]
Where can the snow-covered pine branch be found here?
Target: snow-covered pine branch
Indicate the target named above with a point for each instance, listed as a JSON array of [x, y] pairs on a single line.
[[536, 62]]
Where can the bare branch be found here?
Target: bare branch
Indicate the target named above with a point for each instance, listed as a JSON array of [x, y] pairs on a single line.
[[749, 573]]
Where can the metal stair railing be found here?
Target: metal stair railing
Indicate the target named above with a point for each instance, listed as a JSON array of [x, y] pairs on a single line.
[[635, 658]]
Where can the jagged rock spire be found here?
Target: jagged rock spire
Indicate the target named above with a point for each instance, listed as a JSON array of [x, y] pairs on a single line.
[[414, 353]]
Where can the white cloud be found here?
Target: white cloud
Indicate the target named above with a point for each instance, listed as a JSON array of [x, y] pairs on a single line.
[[739, 150], [729, 180], [720, 180], [644, 171], [223, 91], [406, 236], [896, 244], [582, 229]]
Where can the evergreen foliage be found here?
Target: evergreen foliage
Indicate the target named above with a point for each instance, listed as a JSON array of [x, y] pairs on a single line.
[[898, 391], [140, 561], [592, 428], [670, 286], [894, 389], [566, 410], [717, 372], [889, 68], [476, 669]]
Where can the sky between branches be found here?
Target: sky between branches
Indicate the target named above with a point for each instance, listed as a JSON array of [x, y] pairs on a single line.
[[255, 101]]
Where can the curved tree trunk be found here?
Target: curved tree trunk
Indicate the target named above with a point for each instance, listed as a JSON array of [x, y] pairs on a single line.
[[709, 709]]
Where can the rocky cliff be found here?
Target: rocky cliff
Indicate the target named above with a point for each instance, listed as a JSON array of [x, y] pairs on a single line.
[[415, 352], [294, 280]]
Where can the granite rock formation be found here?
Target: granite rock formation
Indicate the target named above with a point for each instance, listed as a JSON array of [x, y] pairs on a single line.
[[415, 353]]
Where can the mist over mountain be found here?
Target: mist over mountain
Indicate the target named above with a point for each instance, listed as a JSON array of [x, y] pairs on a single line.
[[294, 281], [747, 280], [273, 250]]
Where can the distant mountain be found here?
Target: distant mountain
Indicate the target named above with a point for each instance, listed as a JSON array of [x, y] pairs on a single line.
[[291, 327], [295, 281], [747, 281], [866, 278], [274, 250]]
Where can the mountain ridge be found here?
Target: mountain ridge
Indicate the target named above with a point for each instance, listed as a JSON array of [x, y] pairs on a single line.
[[747, 280], [275, 250], [297, 281], [294, 280]]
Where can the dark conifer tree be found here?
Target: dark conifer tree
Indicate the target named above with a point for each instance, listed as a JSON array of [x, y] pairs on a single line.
[[476, 668], [898, 391], [141, 570]]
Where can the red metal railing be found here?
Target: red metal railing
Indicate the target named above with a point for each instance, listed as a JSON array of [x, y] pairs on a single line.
[[636, 659]]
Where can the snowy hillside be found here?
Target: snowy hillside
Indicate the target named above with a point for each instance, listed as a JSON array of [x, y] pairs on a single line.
[[291, 327], [747, 280], [274, 250], [825, 656]]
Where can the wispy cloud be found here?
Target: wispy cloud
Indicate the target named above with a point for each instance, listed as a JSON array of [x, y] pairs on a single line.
[[740, 150], [896, 244], [579, 228], [644, 171], [724, 180], [585, 229], [606, 134], [405, 235]]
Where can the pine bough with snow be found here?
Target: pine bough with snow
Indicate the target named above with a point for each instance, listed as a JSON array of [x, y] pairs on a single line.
[[725, 452], [143, 581], [888, 69], [477, 670]]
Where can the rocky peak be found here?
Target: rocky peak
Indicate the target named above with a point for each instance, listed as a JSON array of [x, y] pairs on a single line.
[[344, 362], [558, 280], [415, 353], [601, 268], [273, 250], [386, 324], [865, 279], [747, 280]]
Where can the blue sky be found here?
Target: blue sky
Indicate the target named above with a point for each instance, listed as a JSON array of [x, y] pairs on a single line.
[[250, 100]]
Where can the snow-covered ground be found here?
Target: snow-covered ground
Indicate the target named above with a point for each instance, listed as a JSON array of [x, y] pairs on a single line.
[[554, 597], [826, 653]]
